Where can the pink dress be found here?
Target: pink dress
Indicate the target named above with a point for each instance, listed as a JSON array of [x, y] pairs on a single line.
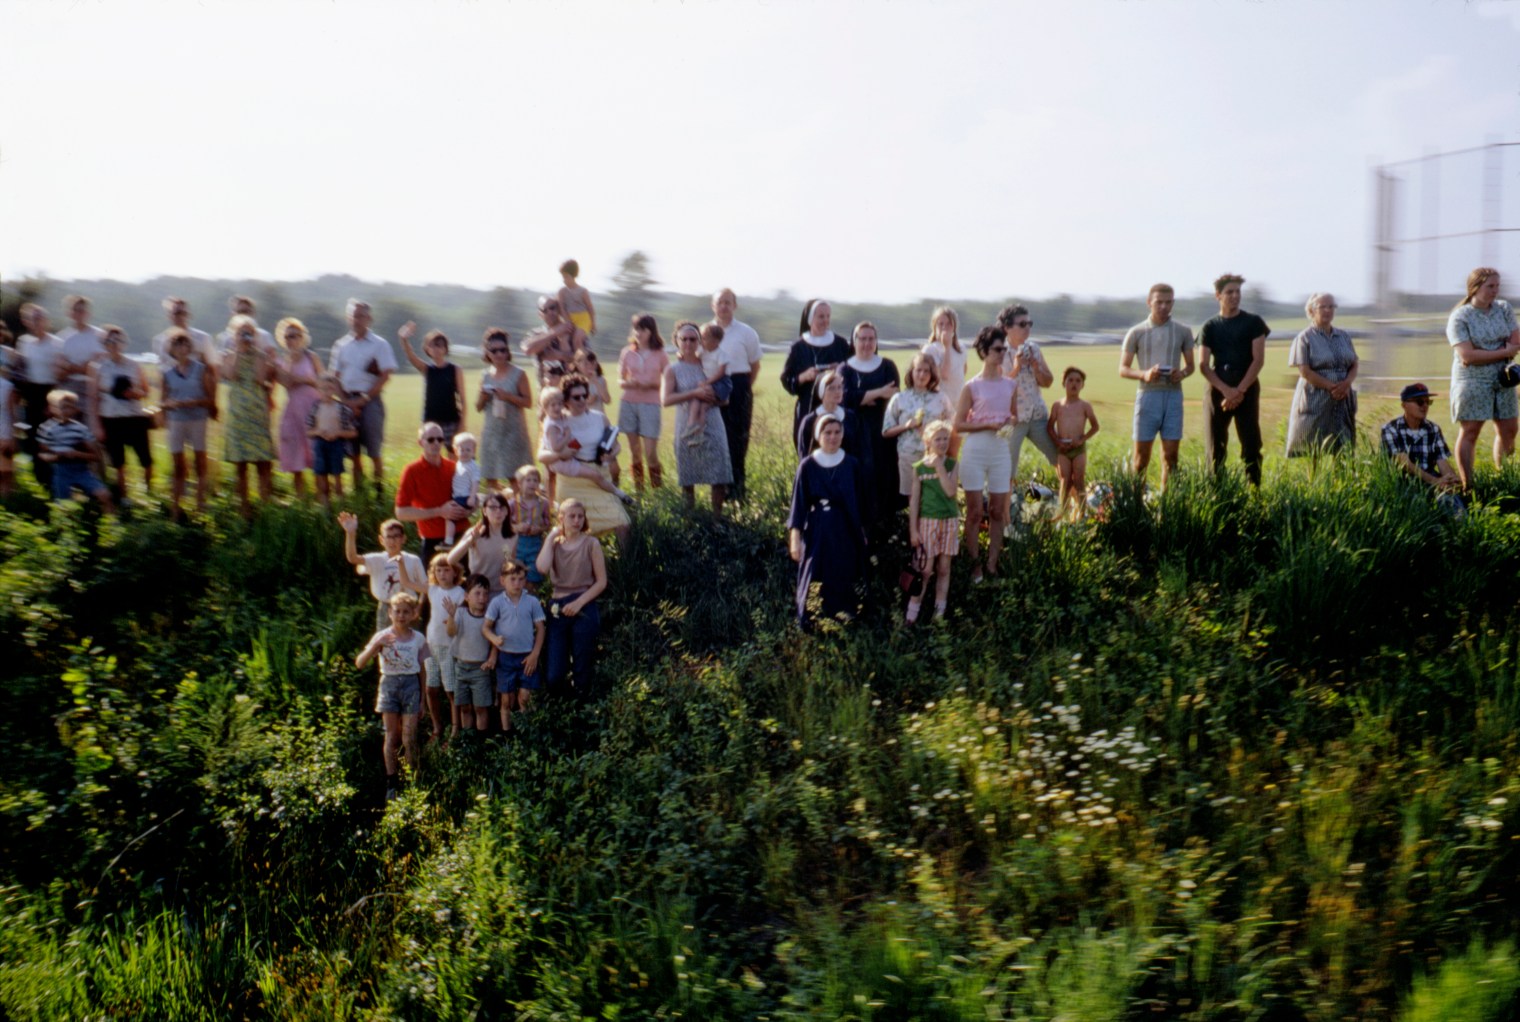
[[300, 395]]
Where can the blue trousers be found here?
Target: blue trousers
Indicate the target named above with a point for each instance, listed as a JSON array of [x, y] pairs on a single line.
[[571, 645]]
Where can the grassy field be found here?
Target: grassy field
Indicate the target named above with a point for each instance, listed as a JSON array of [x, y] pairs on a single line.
[[1227, 755]]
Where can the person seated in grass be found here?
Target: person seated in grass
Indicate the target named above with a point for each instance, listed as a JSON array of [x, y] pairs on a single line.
[[386, 577], [1416, 444], [398, 699], [515, 626], [67, 444], [1071, 424]]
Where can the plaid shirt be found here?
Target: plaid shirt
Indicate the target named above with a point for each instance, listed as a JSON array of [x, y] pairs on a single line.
[[1423, 443]]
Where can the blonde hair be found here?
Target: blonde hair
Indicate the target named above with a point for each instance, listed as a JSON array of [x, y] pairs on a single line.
[[1476, 279], [403, 599], [442, 561], [240, 321], [290, 323], [547, 395], [933, 387], [934, 429], [955, 325]]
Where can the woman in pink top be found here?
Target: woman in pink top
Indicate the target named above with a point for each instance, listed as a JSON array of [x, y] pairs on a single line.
[[982, 418], [641, 367]]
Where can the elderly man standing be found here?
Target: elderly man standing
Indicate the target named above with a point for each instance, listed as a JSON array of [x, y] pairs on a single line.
[[739, 351], [1165, 350], [1234, 347], [364, 362]]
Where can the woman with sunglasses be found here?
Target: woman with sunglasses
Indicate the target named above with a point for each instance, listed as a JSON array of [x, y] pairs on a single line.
[[703, 460], [1027, 368], [594, 443], [983, 417], [504, 393]]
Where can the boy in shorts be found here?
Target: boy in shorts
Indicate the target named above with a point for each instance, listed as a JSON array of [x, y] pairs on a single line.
[[403, 650], [515, 626], [474, 656], [69, 446], [331, 425]]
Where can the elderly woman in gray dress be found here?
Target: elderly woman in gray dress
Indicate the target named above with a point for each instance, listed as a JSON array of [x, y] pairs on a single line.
[[1483, 338], [1323, 413], [702, 460]]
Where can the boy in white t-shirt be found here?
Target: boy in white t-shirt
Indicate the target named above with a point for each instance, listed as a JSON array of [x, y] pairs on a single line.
[[386, 578]]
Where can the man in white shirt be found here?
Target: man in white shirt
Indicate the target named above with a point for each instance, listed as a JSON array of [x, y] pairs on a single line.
[[364, 363], [41, 354], [82, 344], [242, 305], [740, 352], [178, 311]]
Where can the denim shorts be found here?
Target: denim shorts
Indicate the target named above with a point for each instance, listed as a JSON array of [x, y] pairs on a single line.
[[71, 475], [509, 673], [327, 456], [399, 693], [472, 685], [1158, 411]]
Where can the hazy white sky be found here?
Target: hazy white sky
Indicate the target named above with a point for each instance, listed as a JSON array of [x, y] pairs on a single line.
[[860, 149]]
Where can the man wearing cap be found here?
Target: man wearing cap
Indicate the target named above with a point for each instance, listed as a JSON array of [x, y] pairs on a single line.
[[1416, 444]]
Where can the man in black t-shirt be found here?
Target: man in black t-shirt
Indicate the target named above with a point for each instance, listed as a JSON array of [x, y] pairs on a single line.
[[1234, 346]]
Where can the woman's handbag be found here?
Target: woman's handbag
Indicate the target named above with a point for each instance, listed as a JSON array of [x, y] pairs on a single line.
[[911, 578]]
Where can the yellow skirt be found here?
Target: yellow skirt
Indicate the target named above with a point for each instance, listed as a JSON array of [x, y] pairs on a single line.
[[604, 512]]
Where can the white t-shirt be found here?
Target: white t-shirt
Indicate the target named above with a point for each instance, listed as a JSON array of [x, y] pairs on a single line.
[[82, 347], [466, 479], [713, 364], [404, 656], [201, 346], [385, 575], [438, 621], [740, 347], [351, 358], [40, 355]]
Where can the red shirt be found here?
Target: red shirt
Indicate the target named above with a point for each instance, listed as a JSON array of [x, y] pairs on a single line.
[[428, 486]]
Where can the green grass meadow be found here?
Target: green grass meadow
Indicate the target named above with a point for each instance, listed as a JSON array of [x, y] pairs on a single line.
[[1226, 755]]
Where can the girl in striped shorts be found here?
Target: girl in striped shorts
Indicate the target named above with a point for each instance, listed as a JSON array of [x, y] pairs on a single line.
[[934, 516]]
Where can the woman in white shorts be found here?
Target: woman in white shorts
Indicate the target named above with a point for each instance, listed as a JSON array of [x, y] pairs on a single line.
[[981, 417], [189, 394]]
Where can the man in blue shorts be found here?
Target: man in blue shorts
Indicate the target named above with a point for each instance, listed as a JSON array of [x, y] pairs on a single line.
[[1164, 349]]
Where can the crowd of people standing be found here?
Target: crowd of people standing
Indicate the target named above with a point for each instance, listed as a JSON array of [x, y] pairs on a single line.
[[883, 457]]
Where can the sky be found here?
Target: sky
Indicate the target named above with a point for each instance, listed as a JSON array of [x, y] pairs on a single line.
[[863, 150]]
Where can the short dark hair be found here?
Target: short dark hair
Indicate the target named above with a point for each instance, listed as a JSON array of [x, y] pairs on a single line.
[[1224, 280], [477, 581], [986, 337], [1010, 313], [571, 267]]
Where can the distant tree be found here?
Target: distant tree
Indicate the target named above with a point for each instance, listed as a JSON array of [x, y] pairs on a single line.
[[632, 280]]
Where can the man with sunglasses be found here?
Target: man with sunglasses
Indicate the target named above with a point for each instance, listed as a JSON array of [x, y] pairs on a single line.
[[426, 492], [1416, 444]]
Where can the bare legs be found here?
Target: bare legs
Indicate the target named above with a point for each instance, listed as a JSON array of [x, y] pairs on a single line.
[[997, 523]]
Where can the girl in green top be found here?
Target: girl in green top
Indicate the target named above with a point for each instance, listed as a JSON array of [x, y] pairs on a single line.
[[934, 516]]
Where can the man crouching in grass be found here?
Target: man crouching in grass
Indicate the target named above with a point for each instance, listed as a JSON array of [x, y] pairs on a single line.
[[1417, 446]]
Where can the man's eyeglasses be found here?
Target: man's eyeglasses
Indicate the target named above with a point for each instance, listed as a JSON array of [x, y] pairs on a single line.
[[432, 439]]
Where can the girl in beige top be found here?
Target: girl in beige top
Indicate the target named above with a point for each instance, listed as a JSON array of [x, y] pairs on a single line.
[[572, 559]]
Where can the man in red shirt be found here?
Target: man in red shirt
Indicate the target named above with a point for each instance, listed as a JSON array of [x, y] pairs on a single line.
[[425, 495]]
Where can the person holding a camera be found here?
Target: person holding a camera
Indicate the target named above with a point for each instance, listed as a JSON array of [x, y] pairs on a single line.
[[1483, 338]]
